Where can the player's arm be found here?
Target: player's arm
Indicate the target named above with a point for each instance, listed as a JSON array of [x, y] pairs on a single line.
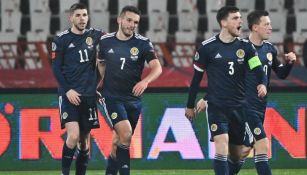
[[194, 87], [254, 64], [283, 70], [155, 71], [101, 69], [57, 61]]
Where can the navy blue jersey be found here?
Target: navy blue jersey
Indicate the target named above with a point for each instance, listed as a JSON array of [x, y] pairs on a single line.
[[74, 61], [225, 64], [268, 56], [124, 62]]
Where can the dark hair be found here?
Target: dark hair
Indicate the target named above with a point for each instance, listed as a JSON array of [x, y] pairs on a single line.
[[130, 8], [254, 17], [77, 6], [223, 12]]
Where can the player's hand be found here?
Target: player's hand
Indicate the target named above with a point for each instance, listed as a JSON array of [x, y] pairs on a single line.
[[99, 97], [190, 113], [139, 88], [261, 90], [73, 96], [201, 105], [290, 57]]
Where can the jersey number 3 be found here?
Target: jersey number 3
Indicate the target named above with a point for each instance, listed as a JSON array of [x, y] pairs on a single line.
[[231, 69]]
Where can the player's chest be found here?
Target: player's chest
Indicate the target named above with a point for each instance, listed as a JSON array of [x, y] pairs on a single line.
[[227, 56], [266, 58], [116, 53], [81, 50]]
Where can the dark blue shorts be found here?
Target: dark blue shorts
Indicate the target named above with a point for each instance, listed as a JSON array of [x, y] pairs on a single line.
[[118, 110], [227, 121], [85, 114], [254, 126]]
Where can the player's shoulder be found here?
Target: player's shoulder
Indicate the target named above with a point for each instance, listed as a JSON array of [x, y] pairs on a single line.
[[268, 44], [95, 30], [107, 36], [243, 40], [140, 37], [63, 34], [209, 41]]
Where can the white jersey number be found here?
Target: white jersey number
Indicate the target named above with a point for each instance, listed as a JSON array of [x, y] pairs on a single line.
[[265, 69], [81, 56], [231, 69], [123, 63]]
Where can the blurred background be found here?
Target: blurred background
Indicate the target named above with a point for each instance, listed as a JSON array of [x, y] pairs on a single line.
[[30, 136]]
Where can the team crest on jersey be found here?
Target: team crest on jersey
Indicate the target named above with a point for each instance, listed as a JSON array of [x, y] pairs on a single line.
[[269, 56], [196, 57], [257, 131], [134, 53], [213, 127], [89, 41], [64, 115], [53, 46], [114, 115], [240, 54]]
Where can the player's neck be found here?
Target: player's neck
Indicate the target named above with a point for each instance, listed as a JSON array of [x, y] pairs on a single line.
[[255, 39], [226, 37], [76, 31], [121, 36]]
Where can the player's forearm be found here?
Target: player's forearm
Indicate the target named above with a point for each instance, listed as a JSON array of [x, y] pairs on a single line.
[[101, 69], [155, 72], [56, 68], [260, 75], [194, 87], [283, 71]]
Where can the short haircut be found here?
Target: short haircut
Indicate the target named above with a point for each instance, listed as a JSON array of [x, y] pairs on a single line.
[[254, 17], [223, 13], [130, 8], [77, 6]]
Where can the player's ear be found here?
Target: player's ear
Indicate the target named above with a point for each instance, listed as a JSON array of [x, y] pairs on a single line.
[[119, 18]]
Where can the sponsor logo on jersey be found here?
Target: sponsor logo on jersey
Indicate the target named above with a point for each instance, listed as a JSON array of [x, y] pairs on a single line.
[[218, 55], [213, 127], [111, 51], [64, 115], [89, 41], [257, 131], [196, 57], [114, 115], [53, 46], [71, 45], [134, 53]]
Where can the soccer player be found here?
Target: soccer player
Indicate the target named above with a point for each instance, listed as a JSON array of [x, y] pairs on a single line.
[[260, 27], [123, 55], [226, 58], [74, 67]]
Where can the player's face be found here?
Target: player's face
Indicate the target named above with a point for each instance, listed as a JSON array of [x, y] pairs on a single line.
[[233, 24], [79, 19], [264, 28], [128, 23]]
